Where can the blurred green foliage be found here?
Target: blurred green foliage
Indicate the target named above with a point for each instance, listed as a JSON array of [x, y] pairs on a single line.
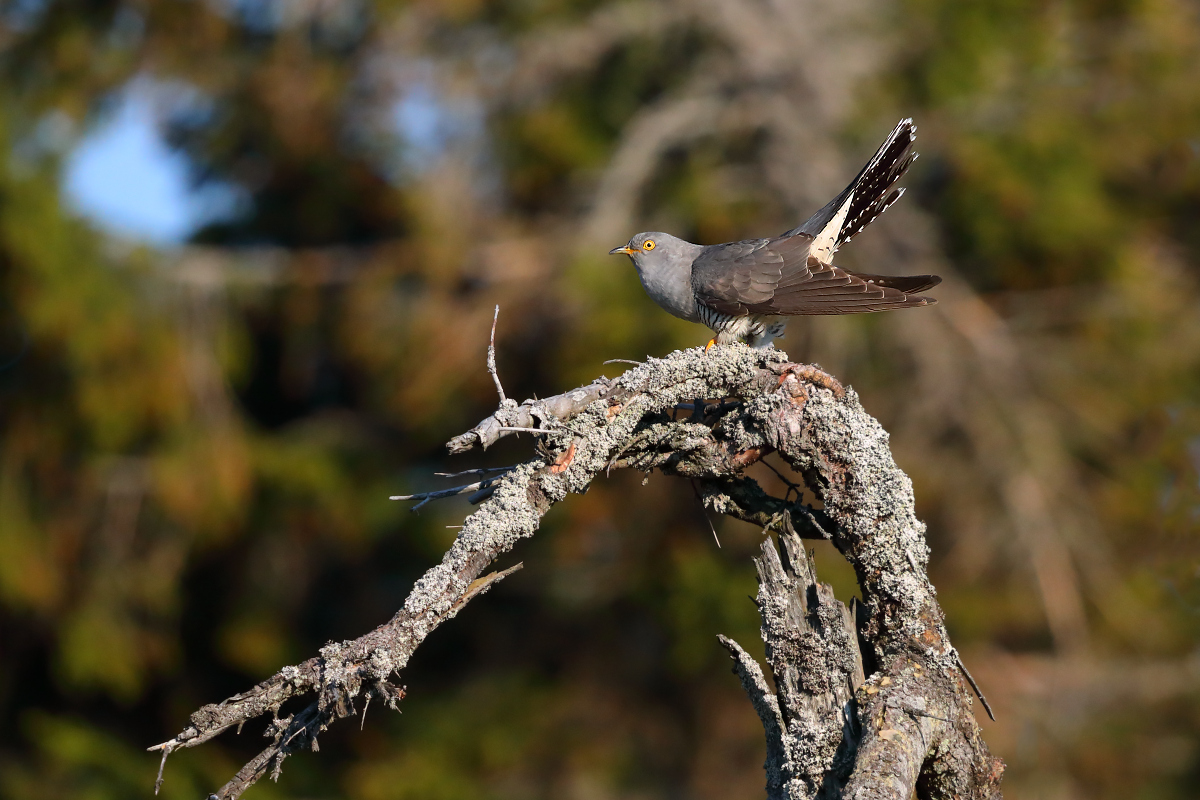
[[197, 445]]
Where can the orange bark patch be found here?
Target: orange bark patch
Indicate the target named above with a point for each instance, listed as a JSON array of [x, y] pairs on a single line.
[[563, 461]]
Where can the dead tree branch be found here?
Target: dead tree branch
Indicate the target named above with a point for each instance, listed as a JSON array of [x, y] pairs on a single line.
[[832, 731]]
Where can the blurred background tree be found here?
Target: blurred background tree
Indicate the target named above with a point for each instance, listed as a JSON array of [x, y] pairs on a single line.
[[207, 393]]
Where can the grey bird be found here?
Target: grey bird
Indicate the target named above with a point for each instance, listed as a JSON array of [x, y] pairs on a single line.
[[746, 289]]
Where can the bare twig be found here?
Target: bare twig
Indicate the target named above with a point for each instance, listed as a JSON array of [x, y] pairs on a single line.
[[491, 358], [974, 686], [483, 471], [425, 497], [162, 764], [704, 513], [511, 418], [481, 495]]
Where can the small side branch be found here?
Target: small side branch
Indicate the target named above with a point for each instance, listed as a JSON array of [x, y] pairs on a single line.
[[512, 418], [425, 497], [484, 471], [974, 686], [754, 683], [491, 358]]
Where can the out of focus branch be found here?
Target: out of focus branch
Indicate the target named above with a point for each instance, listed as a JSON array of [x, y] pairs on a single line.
[[830, 728]]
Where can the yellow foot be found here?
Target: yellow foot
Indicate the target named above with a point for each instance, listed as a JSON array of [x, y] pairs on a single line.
[[710, 344]]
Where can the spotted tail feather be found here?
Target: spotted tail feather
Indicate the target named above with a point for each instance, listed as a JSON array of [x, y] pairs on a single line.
[[867, 196]]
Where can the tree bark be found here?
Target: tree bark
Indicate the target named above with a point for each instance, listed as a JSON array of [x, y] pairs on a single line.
[[831, 730]]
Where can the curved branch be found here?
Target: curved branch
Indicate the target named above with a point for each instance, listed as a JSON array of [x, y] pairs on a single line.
[[813, 651]]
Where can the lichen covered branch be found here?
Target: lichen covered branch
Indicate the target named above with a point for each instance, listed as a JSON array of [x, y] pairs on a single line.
[[824, 719]]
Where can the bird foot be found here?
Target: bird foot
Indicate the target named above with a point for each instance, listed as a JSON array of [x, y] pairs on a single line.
[[710, 344], [814, 375]]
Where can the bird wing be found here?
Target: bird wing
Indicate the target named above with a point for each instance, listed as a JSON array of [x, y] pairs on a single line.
[[780, 276], [734, 276]]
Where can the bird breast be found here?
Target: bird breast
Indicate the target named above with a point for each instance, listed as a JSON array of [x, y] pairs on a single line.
[[672, 291]]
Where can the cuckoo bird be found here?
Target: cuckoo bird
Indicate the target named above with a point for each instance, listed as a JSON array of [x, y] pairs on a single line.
[[746, 289]]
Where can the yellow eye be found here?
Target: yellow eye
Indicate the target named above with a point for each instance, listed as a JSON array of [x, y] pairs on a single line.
[[648, 245]]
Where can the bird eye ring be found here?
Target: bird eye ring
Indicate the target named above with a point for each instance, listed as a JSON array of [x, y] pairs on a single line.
[[648, 245]]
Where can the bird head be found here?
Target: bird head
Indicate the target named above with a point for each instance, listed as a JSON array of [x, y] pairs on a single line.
[[654, 249], [664, 266]]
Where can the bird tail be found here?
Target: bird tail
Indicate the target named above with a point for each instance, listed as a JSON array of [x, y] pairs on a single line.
[[867, 196]]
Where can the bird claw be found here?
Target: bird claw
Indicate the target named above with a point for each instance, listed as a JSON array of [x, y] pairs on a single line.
[[710, 344], [815, 376]]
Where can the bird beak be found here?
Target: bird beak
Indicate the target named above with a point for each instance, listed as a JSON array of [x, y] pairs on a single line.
[[622, 249]]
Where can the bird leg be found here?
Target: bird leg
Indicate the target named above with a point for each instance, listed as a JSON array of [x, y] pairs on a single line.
[[770, 333]]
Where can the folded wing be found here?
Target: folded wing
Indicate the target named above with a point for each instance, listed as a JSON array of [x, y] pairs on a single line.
[[781, 277]]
